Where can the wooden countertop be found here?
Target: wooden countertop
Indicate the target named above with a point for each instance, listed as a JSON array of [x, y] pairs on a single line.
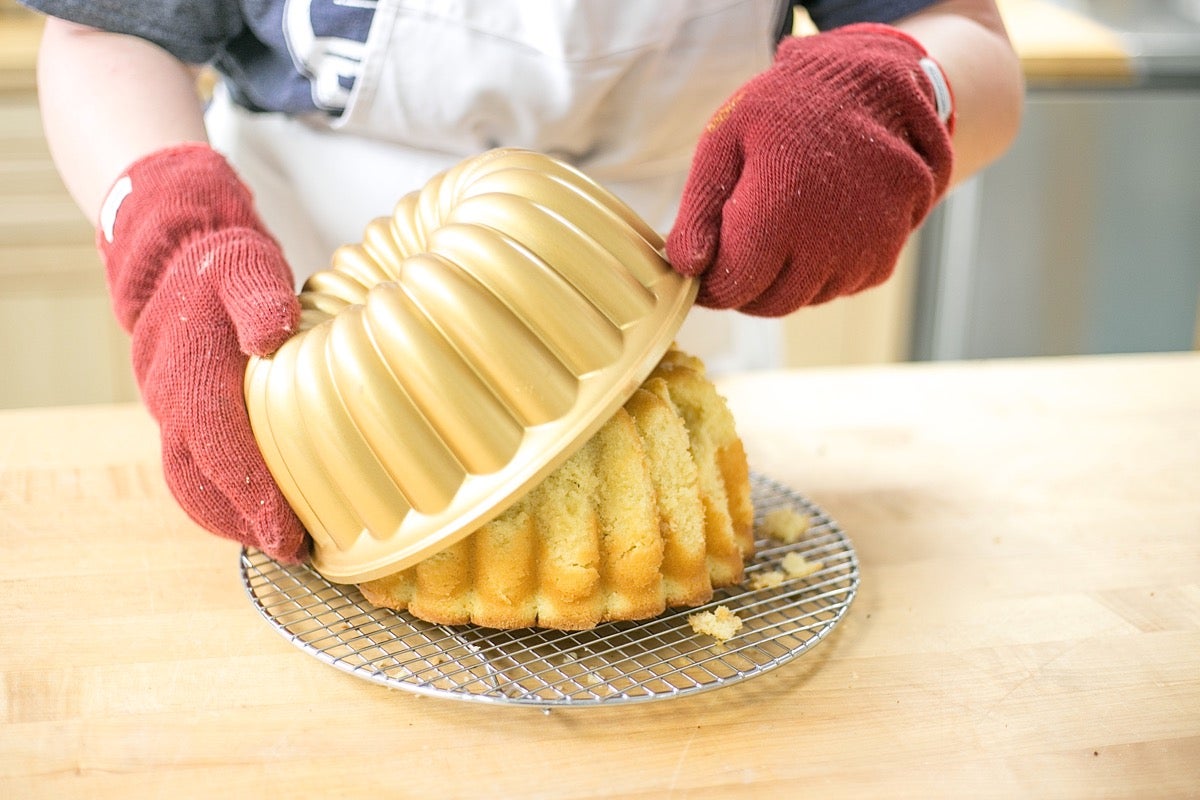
[[1061, 47], [1028, 622]]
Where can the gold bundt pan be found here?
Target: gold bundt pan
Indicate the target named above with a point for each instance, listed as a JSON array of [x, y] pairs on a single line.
[[448, 363]]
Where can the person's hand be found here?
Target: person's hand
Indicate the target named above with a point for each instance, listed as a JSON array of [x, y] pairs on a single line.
[[197, 281], [806, 184]]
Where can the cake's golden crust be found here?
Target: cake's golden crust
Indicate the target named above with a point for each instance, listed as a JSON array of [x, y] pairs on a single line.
[[631, 545], [724, 475], [676, 484], [569, 594], [653, 512]]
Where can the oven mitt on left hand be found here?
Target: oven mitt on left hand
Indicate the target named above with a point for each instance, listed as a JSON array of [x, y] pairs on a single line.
[[808, 181], [200, 284]]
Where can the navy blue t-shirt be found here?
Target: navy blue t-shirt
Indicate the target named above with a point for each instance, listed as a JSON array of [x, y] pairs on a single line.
[[268, 60]]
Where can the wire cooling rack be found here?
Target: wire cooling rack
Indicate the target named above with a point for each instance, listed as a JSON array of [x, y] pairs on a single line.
[[614, 663]]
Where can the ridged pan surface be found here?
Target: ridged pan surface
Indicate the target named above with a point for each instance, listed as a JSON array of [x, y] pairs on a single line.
[[457, 355]]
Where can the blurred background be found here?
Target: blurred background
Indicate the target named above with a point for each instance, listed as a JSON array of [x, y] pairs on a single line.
[[1084, 238]]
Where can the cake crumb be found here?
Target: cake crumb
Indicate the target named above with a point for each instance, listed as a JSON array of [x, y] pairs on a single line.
[[597, 685], [720, 623], [766, 579], [785, 525], [797, 566]]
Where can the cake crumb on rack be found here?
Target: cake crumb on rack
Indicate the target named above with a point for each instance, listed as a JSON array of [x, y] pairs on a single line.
[[785, 525], [720, 623], [766, 579], [797, 566]]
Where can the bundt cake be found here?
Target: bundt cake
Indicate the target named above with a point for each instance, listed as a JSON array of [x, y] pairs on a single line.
[[454, 423], [453, 359], [653, 511]]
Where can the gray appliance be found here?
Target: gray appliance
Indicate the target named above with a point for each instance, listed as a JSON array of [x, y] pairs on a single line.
[[1085, 236]]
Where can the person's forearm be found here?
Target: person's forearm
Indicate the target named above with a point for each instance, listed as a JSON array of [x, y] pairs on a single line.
[[107, 100], [967, 38]]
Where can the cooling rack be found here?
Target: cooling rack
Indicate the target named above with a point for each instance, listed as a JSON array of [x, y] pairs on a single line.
[[614, 663]]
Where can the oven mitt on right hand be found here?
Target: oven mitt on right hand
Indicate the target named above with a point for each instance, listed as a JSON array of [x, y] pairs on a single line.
[[808, 181]]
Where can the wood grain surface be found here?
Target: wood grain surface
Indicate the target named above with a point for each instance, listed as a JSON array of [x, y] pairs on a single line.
[[1060, 45], [1028, 623]]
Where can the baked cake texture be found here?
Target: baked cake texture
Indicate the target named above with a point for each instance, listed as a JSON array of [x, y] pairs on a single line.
[[653, 512]]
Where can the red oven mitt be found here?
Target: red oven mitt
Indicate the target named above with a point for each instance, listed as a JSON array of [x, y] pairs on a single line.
[[200, 285], [808, 181]]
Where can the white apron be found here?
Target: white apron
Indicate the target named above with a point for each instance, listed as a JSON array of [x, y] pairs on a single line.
[[619, 88]]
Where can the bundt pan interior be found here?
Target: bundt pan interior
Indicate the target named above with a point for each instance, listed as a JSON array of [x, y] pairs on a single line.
[[456, 356]]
